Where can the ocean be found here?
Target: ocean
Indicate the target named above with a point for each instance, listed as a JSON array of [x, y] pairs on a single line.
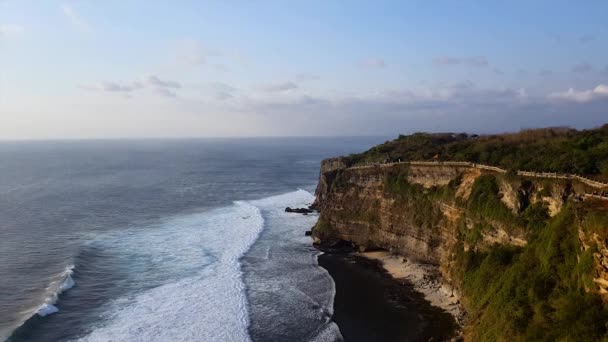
[[163, 240]]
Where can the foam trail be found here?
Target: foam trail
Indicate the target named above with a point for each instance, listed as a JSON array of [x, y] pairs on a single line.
[[209, 305], [64, 283]]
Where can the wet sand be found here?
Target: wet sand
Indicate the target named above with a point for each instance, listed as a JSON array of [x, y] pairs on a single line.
[[370, 305], [425, 279]]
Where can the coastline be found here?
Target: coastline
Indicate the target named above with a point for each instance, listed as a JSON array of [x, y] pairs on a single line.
[[424, 278], [369, 305]]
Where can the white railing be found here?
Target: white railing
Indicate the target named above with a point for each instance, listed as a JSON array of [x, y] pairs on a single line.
[[554, 175]]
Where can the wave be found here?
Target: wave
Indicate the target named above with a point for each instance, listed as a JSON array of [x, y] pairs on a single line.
[[191, 275], [207, 304], [291, 297], [56, 288], [59, 284]]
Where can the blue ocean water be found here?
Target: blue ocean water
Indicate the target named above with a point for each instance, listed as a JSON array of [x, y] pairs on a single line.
[[158, 240]]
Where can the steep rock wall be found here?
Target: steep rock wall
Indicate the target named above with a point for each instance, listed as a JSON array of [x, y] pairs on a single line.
[[357, 207]]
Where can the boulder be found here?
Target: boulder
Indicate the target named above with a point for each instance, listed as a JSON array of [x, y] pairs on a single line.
[[298, 210]]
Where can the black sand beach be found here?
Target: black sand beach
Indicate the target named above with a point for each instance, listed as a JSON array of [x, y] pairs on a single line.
[[371, 306]]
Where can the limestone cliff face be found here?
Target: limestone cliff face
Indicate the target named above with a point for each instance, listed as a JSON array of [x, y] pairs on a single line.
[[356, 205]]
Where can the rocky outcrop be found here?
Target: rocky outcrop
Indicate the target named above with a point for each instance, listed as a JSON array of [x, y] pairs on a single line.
[[304, 211], [356, 207], [598, 247]]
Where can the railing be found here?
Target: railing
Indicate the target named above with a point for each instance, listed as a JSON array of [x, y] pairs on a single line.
[[590, 182]]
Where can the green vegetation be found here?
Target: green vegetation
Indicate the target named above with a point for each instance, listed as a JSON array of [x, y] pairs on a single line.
[[417, 200], [541, 291], [324, 230], [485, 202], [551, 150], [547, 189], [536, 292]]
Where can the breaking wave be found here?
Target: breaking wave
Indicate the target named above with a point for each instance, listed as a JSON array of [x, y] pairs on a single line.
[[57, 287], [209, 305]]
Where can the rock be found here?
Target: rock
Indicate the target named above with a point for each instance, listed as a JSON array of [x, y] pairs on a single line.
[[333, 247], [308, 233], [298, 210]]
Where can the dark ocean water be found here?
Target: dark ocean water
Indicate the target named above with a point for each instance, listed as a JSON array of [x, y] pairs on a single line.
[[162, 240]]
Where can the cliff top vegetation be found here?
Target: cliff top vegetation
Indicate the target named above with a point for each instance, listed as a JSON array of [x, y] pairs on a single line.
[[556, 149]]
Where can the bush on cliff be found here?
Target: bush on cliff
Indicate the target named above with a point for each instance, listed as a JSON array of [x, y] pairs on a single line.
[[536, 292], [413, 198], [484, 201]]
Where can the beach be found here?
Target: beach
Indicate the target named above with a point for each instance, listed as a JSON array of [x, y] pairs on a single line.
[[371, 305]]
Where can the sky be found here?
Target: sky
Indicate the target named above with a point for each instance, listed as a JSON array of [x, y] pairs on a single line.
[[137, 69]]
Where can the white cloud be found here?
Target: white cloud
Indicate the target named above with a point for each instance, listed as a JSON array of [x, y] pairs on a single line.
[[165, 92], [599, 92], [279, 87], [75, 19], [374, 63], [7, 30], [157, 82], [474, 61], [114, 87], [162, 87], [302, 77], [222, 91]]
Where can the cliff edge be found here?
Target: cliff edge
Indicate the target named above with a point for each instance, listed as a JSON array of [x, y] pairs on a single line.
[[526, 255]]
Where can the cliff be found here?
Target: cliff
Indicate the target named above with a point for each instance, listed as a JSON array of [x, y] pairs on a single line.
[[529, 255]]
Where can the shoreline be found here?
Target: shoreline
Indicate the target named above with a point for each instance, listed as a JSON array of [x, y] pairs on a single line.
[[369, 305], [425, 279]]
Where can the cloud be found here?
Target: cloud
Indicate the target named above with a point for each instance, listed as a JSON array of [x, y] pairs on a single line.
[[545, 73], [114, 87], [556, 37], [599, 92], [444, 108], [162, 87], [467, 84], [220, 91], [586, 38], [192, 52], [373, 63], [7, 30], [280, 87], [302, 77], [74, 18], [165, 92], [582, 67], [157, 82], [474, 61]]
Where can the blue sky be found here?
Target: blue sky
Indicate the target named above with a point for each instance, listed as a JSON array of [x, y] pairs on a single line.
[[112, 69]]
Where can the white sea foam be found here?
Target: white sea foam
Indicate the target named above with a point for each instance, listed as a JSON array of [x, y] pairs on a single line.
[[208, 305], [61, 284], [282, 263]]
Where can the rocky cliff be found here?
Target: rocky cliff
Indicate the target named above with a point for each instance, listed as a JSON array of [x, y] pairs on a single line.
[[471, 223]]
